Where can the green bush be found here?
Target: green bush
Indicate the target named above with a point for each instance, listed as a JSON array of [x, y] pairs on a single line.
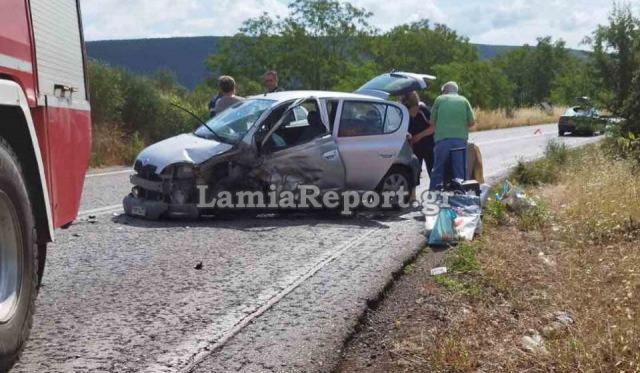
[[533, 218], [534, 173], [556, 152], [545, 170], [495, 212], [130, 111]]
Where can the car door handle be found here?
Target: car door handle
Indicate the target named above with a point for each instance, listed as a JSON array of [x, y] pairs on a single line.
[[386, 155], [330, 155]]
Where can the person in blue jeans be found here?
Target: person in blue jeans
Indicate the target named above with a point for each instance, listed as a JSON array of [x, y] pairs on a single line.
[[452, 117]]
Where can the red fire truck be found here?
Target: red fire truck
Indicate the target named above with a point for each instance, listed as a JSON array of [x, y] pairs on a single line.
[[45, 141]]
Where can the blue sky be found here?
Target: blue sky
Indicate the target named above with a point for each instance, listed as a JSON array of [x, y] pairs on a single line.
[[491, 22]]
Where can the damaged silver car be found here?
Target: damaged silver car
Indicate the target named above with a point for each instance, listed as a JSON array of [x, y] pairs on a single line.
[[332, 140]]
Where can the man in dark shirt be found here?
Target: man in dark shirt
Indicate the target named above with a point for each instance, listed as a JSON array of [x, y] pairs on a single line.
[[271, 82], [212, 104], [420, 130]]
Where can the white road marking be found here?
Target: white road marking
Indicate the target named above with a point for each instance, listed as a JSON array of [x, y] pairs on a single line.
[[100, 211], [192, 351], [542, 134], [127, 171]]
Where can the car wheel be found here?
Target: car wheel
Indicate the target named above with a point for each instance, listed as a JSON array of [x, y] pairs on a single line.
[[560, 133], [396, 178], [18, 260]]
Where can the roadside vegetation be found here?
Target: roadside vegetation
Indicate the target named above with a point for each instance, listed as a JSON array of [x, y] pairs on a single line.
[[553, 287], [549, 288], [503, 118], [330, 44], [130, 112]]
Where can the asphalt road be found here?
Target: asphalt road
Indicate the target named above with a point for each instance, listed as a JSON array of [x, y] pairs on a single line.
[[275, 293]]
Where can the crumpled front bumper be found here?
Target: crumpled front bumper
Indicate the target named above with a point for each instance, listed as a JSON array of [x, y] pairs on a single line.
[[154, 210]]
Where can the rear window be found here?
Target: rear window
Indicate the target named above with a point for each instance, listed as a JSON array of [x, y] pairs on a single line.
[[368, 119]]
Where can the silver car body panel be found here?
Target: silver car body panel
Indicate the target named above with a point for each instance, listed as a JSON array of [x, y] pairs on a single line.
[[185, 148], [317, 163], [368, 158]]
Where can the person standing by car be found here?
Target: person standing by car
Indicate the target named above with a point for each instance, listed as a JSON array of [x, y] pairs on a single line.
[[452, 117], [227, 86], [420, 129], [271, 82]]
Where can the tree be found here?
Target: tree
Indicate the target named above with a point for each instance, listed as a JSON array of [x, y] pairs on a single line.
[[482, 83], [311, 48], [632, 110], [417, 47], [532, 70], [615, 50], [578, 78], [106, 95]]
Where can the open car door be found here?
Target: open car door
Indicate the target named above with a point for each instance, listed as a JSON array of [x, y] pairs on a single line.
[[302, 151], [395, 84]]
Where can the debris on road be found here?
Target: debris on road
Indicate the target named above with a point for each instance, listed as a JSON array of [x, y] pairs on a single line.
[[558, 322], [533, 343], [443, 232], [438, 271], [468, 209], [458, 218], [198, 266], [515, 198]]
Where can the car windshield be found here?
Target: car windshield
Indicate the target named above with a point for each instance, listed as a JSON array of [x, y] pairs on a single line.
[[232, 124]]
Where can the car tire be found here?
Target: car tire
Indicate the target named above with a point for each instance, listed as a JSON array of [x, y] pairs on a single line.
[[395, 178], [560, 133], [18, 259]]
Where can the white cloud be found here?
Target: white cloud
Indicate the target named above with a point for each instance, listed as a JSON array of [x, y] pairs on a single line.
[[121, 19], [389, 13], [497, 22]]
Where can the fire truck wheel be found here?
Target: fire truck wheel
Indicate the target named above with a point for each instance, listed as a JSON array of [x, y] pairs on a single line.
[[18, 259]]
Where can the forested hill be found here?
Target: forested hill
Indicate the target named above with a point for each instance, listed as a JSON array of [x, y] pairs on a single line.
[[186, 56]]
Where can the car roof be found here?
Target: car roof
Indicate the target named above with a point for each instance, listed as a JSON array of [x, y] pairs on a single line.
[[292, 95]]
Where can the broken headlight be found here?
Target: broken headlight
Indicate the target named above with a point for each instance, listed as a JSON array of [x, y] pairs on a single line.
[[185, 172]]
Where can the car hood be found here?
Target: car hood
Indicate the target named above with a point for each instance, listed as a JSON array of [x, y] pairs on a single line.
[[185, 148]]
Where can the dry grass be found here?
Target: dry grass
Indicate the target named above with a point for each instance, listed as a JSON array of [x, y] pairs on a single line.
[[489, 120], [112, 146], [584, 260]]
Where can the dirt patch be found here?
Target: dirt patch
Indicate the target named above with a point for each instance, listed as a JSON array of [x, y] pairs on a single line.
[[414, 303]]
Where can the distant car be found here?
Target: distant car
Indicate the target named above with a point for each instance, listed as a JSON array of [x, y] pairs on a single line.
[[333, 140], [580, 120]]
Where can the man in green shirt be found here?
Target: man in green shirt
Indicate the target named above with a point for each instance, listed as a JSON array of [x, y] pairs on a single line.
[[452, 116]]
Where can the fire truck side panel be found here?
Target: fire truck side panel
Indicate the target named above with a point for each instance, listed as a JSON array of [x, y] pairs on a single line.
[[61, 88], [69, 135], [42, 71], [15, 48]]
